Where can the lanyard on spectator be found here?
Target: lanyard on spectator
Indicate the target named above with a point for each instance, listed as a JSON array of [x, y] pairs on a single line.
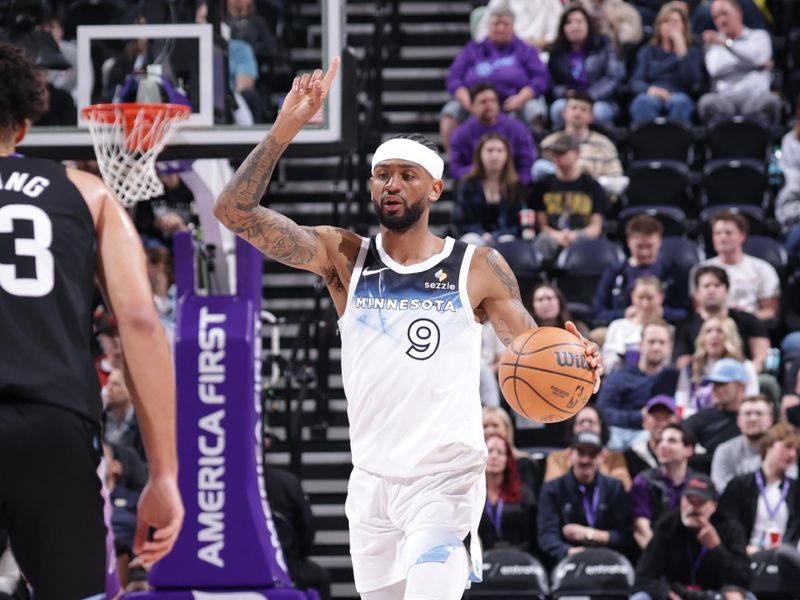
[[695, 560], [495, 515], [772, 511], [590, 510]]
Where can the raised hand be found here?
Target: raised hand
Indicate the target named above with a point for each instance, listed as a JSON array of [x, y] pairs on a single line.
[[306, 96]]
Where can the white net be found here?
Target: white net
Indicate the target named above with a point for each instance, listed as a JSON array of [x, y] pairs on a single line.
[[127, 141]]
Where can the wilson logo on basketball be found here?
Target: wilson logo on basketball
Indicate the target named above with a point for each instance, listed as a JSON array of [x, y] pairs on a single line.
[[569, 359]]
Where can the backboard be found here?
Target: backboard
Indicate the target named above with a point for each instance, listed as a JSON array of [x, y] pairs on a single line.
[[191, 46]]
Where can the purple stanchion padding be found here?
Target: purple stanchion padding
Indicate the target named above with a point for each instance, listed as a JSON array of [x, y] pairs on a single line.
[[228, 541], [271, 594]]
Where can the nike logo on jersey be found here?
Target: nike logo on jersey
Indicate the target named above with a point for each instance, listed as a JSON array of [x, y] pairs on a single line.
[[366, 272]]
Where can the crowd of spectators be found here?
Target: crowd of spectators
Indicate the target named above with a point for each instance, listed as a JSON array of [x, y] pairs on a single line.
[[691, 441]]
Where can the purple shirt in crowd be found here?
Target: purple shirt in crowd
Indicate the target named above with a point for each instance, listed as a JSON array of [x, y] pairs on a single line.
[[465, 138], [508, 68], [640, 495]]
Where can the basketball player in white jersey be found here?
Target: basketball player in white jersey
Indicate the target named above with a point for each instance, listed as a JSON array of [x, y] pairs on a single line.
[[411, 306]]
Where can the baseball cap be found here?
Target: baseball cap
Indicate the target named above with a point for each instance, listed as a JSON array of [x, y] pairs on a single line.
[[727, 370], [661, 400], [700, 485], [563, 143], [586, 439]]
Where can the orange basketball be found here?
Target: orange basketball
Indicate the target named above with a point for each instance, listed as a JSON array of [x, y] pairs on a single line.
[[545, 376]]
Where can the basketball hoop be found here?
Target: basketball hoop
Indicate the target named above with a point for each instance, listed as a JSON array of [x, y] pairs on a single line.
[[128, 137]]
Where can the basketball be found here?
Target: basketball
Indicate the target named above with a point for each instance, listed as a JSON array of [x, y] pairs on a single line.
[[545, 376]]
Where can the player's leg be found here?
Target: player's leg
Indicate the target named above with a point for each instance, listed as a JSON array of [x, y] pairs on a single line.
[[376, 545], [438, 512], [439, 579], [53, 510], [396, 591]]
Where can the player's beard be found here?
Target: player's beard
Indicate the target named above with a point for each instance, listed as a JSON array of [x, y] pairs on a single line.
[[401, 221]]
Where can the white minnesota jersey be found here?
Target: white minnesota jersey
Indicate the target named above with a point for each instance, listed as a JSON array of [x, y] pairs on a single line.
[[411, 363]]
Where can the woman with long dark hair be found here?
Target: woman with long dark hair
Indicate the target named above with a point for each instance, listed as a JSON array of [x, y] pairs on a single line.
[[583, 60], [489, 195]]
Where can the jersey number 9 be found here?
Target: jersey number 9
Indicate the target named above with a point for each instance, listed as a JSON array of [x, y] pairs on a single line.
[[424, 337]]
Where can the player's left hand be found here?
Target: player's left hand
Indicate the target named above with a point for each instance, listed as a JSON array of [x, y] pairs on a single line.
[[160, 508], [592, 354]]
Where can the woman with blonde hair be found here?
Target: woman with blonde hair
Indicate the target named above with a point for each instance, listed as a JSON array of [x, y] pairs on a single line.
[[496, 421], [667, 69], [718, 338]]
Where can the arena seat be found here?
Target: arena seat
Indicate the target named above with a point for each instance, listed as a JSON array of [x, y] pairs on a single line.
[[766, 581], [672, 218], [681, 252], [737, 137], [524, 261], [753, 214], [660, 139], [579, 268], [659, 183], [510, 573], [596, 573], [734, 181], [768, 249]]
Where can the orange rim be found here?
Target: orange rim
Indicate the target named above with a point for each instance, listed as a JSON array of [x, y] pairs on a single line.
[[139, 115]]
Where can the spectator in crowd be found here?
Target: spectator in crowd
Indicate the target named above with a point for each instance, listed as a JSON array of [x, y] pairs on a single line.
[[659, 412], [535, 23], [787, 204], [291, 512], [110, 358], [249, 26], [766, 502], [119, 418], [490, 195], [754, 283], [505, 61], [718, 338], [497, 422], [128, 468], [123, 513], [569, 204], [159, 272], [617, 20], [597, 154], [612, 463], [509, 516], [491, 351], [622, 340], [738, 60], [64, 79], [549, 308], [694, 547], [612, 300], [657, 490], [717, 424], [583, 508], [742, 454], [487, 119], [585, 61], [711, 299], [627, 390], [790, 402], [667, 70]]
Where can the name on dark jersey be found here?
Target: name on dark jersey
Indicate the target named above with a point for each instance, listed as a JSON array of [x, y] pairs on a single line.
[[406, 304], [23, 182]]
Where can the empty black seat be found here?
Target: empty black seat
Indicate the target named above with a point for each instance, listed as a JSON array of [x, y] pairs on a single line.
[[659, 183], [510, 573], [738, 137], [660, 139], [673, 219], [734, 181]]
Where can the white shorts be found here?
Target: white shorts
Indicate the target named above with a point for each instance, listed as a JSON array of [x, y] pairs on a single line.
[[396, 523]]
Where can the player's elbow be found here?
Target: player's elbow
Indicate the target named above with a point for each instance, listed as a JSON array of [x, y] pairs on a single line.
[[137, 319]]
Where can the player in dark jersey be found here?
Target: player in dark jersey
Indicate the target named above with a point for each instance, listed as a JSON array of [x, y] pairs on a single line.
[[405, 531], [59, 230]]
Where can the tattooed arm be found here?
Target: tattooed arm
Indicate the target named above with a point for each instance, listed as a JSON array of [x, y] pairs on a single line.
[[494, 293], [238, 205]]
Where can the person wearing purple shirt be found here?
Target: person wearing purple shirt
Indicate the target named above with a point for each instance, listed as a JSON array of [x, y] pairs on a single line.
[[655, 491], [487, 118], [505, 61]]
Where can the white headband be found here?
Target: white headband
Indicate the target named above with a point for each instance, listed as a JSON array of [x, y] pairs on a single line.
[[405, 149]]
